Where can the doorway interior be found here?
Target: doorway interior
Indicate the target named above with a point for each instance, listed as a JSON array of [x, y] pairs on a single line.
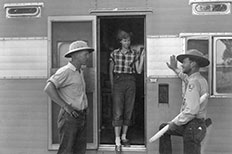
[[107, 31]]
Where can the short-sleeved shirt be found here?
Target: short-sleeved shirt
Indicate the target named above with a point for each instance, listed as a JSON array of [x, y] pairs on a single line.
[[123, 62], [196, 86], [70, 85]]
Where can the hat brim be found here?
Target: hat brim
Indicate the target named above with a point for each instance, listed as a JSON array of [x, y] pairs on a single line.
[[70, 52], [202, 62]]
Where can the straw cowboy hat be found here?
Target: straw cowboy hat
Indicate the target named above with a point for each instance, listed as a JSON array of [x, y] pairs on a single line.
[[196, 55], [78, 46]]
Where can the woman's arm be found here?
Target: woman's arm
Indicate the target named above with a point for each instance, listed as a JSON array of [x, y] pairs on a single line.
[[139, 63], [111, 68]]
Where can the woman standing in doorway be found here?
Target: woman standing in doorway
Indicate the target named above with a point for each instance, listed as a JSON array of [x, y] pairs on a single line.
[[124, 63]]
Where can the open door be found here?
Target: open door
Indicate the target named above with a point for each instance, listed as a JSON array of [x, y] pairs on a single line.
[[108, 27], [61, 32]]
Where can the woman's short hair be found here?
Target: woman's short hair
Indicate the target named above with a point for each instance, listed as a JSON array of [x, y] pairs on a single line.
[[123, 35]]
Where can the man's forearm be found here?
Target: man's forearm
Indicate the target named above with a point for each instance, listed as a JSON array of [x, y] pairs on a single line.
[[51, 91]]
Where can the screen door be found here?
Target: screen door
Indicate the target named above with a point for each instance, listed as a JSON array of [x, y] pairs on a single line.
[[62, 31]]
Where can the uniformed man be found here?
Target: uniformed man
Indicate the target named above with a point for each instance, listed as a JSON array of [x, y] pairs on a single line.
[[190, 122]]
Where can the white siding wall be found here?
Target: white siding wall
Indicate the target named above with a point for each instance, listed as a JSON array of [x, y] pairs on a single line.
[[159, 50], [23, 58]]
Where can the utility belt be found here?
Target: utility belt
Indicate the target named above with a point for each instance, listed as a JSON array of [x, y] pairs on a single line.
[[202, 121], [199, 120]]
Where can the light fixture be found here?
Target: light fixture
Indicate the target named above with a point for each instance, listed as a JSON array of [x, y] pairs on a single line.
[[14, 10]]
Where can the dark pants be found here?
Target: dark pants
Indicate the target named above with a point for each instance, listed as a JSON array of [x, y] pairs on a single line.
[[193, 133], [72, 133], [123, 99]]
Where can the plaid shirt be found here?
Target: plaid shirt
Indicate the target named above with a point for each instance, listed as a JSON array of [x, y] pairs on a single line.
[[123, 63]]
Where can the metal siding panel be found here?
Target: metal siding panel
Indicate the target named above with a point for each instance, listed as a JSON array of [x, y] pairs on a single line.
[[219, 110], [30, 27], [159, 113], [23, 108], [220, 133], [172, 17], [122, 4]]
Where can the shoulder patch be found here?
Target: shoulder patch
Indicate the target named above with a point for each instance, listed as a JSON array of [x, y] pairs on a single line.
[[190, 87]]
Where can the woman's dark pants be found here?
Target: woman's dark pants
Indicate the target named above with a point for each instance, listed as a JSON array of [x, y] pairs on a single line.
[[123, 99]]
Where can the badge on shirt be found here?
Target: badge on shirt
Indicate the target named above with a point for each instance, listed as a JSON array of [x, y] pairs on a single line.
[[190, 87]]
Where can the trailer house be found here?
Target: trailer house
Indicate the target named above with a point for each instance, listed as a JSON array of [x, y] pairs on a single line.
[[35, 34]]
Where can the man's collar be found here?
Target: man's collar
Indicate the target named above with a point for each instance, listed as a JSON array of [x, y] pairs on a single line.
[[194, 74], [71, 66]]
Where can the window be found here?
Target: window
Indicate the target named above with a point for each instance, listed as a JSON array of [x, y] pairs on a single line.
[[222, 65], [201, 44], [219, 51]]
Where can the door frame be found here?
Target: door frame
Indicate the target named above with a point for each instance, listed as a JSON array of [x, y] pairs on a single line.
[[91, 18], [110, 147]]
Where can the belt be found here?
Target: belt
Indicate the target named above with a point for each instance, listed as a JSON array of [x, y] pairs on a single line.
[[81, 112], [124, 74], [201, 120]]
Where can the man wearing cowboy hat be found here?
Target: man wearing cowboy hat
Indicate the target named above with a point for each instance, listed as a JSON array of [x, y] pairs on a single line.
[[67, 88], [190, 122]]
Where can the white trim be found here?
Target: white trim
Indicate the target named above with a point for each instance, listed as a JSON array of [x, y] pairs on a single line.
[[120, 11], [221, 96], [25, 77], [204, 34], [137, 148], [22, 38], [154, 78], [209, 1], [7, 5], [162, 36], [71, 18]]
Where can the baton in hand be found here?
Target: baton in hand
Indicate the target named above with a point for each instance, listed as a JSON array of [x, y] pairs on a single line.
[[165, 129]]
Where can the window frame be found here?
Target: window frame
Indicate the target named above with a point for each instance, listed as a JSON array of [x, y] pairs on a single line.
[[212, 49], [215, 65], [209, 38]]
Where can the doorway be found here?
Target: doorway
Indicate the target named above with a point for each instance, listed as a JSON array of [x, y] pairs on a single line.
[[62, 31], [108, 27]]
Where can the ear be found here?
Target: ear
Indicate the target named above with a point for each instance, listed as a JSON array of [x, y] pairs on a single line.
[[193, 64]]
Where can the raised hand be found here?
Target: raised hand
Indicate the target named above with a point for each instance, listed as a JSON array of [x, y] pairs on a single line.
[[173, 63]]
